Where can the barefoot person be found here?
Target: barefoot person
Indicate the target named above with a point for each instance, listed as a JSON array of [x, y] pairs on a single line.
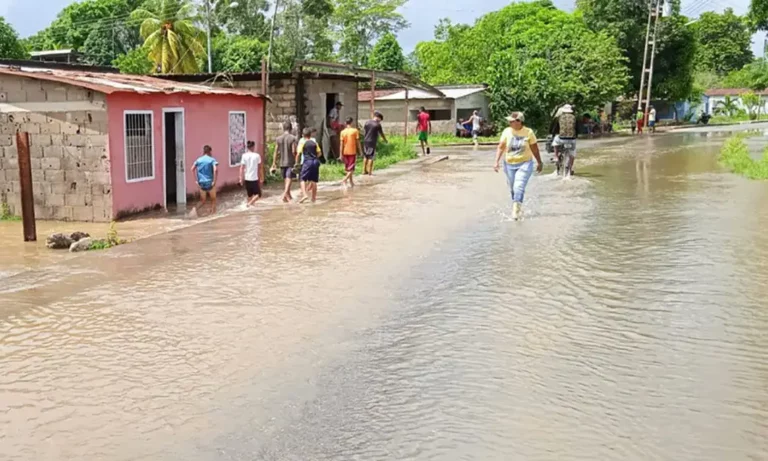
[[285, 150], [250, 174], [372, 131], [519, 148], [206, 171], [350, 147], [310, 168], [424, 128]]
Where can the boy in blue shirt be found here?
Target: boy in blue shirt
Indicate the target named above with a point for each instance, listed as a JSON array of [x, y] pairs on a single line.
[[206, 171]]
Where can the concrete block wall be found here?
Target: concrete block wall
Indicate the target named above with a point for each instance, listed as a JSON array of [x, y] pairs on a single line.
[[315, 103], [70, 162]]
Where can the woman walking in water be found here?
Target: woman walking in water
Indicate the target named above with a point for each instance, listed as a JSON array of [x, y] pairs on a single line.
[[519, 146]]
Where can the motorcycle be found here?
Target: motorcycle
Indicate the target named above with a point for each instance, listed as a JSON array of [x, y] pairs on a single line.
[[563, 156], [703, 119]]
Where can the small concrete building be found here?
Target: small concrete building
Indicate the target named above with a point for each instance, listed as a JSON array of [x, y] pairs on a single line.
[[459, 103], [106, 145], [304, 95]]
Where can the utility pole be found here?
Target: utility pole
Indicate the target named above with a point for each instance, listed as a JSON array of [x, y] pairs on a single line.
[[271, 36], [208, 12], [645, 57], [653, 56]]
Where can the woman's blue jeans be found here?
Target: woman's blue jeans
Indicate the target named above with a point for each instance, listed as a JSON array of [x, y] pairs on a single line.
[[518, 175]]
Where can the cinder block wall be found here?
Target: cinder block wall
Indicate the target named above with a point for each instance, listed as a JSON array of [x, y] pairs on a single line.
[[283, 105], [68, 149]]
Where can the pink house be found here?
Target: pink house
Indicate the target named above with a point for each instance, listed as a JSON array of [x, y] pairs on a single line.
[[105, 145]]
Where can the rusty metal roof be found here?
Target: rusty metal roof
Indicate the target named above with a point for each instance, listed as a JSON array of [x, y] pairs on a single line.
[[109, 83]]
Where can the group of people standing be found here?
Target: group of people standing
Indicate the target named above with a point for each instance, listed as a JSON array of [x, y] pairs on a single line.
[[640, 121]]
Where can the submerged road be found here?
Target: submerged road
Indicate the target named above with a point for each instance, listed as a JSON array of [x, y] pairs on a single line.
[[623, 319]]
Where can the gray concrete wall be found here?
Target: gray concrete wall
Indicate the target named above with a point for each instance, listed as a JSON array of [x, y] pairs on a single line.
[[68, 149], [316, 93], [394, 114]]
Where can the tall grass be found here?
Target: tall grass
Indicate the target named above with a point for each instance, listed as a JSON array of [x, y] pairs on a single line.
[[735, 156], [386, 155], [5, 213]]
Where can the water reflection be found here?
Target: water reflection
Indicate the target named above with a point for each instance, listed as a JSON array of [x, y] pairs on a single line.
[[623, 319]]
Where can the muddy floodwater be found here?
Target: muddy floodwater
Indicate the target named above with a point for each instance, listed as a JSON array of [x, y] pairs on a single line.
[[626, 318]]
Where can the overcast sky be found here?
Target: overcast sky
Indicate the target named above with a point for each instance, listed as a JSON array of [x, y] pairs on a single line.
[[29, 16]]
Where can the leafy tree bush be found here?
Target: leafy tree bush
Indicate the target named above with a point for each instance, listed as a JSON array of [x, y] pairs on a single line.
[[534, 58], [387, 54], [10, 47], [723, 41]]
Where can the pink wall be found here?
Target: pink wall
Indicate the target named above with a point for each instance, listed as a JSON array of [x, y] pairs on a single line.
[[206, 121]]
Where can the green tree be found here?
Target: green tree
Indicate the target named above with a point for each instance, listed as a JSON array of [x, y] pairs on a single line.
[[109, 40], [534, 58], [753, 76], [247, 17], [752, 102], [76, 21], [302, 31], [10, 47], [170, 36], [758, 14], [626, 20], [135, 61], [238, 53], [387, 54], [359, 23], [723, 42], [728, 106]]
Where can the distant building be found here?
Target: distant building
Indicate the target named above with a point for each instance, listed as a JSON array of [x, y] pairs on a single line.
[[106, 145], [713, 97], [460, 102], [60, 56]]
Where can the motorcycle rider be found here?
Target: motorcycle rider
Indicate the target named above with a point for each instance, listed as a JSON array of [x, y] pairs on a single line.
[[565, 132]]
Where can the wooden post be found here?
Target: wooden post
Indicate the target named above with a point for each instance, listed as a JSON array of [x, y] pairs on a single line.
[[27, 194], [405, 127], [373, 93], [264, 103]]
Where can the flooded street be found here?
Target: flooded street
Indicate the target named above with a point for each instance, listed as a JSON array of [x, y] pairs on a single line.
[[624, 319]]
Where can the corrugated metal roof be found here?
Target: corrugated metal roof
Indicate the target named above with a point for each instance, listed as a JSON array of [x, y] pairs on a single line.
[[364, 96], [109, 83], [449, 92]]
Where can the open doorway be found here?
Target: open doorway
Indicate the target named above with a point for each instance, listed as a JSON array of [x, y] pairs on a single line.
[[173, 148]]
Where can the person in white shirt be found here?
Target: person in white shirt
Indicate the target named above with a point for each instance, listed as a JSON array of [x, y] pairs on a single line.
[[250, 174], [652, 119], [477, 125]]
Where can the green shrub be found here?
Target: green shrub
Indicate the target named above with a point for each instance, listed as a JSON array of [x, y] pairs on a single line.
[[735, 156], [5, 213], [387, 154]]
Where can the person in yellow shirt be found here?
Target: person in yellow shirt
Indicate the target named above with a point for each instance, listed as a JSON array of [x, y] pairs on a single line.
[[350, 147], [519, 147]]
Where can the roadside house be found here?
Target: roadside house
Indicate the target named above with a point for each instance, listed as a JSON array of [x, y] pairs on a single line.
[[106, 145], [459, 103]]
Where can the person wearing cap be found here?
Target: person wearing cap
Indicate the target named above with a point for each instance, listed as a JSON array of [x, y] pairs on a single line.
[[371, 132], [519, 147], [565, 131]]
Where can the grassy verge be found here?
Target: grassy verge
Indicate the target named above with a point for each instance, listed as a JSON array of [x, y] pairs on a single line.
[[735, 156], [726, 119], [386, 155], [444, 139], [5, 214]]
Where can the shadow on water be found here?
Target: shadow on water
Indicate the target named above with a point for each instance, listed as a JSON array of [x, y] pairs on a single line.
[[622, 319]]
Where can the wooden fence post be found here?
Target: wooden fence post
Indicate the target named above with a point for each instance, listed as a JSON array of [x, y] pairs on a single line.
[[25, 180]]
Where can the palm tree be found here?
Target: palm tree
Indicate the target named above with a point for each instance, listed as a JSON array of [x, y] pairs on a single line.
[[169, 33], [727, 106]]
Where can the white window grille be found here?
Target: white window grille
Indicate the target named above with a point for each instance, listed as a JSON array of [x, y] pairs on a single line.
[[237, 137], [139, 146]]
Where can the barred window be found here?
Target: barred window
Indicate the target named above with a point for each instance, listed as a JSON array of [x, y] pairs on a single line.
[[139, 146], [237, 136]]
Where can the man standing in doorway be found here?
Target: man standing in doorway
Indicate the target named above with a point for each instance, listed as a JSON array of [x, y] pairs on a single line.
[[350, 146], [206, 171], [335, 127], [372, 131], [285, 149], [652, 120], [250, 174], [424, 128]]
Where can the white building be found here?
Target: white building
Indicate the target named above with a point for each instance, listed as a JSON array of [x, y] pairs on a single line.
[[459, 103]]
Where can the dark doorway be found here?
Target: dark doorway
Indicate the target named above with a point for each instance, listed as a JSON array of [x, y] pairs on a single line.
[[170, 157], [330, 102]]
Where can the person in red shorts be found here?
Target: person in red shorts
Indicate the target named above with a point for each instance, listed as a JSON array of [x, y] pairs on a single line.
[[424, 127], [350, 147]]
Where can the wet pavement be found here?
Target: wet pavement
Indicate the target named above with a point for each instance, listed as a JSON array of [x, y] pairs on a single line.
[[624, 318]]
